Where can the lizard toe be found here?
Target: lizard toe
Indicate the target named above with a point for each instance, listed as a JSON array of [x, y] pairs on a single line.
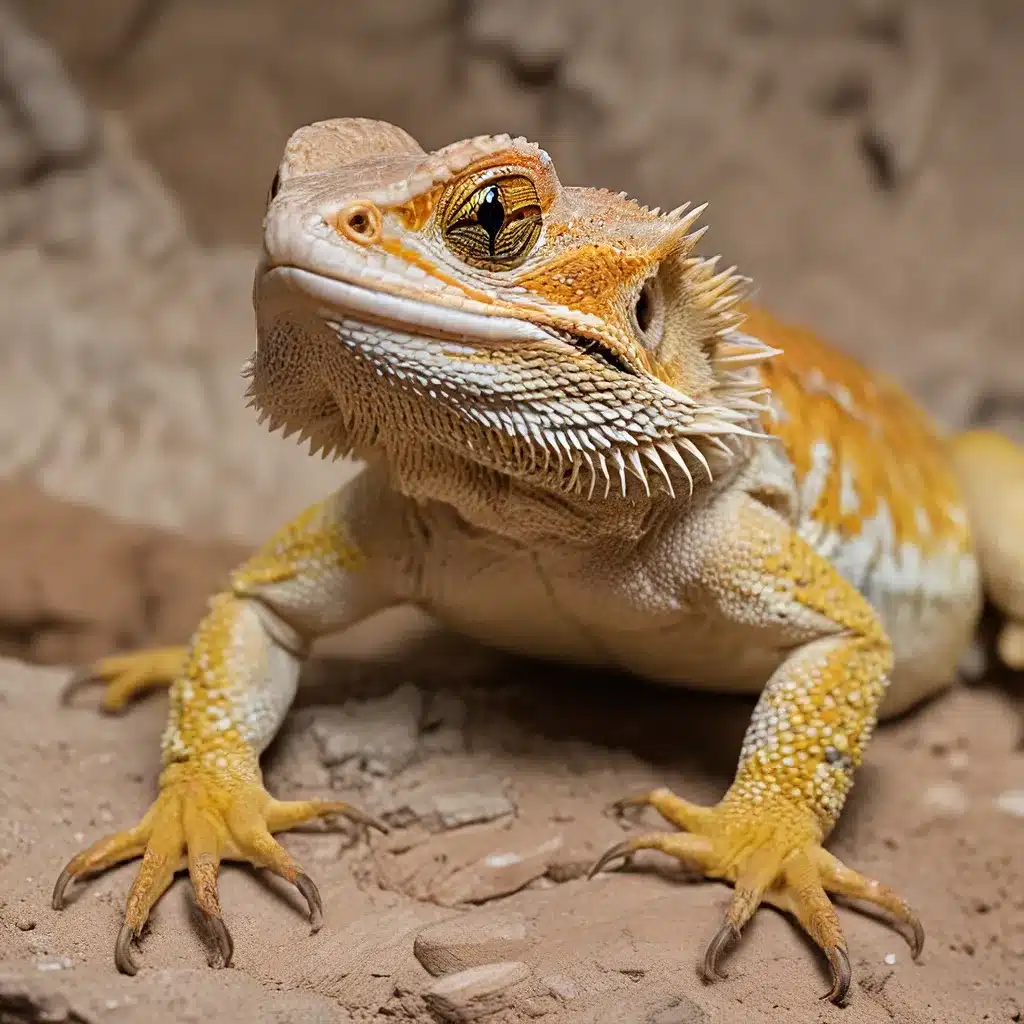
[[126, 676], [770, 856], [201, 817]]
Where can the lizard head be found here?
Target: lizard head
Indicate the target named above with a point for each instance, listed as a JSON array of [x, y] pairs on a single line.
[[465, 301]]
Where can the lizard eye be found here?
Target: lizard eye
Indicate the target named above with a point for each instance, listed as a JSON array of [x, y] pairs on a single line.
[[493, 226], [649, 312]]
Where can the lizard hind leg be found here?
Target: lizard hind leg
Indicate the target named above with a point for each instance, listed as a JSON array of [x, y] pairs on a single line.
[[990, 468]]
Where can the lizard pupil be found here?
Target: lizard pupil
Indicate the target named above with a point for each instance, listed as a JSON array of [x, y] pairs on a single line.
[[491, 214]]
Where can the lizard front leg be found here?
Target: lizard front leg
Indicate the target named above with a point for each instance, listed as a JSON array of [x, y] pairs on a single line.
[[765, 584], [232, 688]]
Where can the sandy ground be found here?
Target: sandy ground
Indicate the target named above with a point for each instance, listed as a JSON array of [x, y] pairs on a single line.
[[860, 159], [495, 776]]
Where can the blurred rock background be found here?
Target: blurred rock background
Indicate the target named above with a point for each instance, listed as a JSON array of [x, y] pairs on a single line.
[[864, 161]]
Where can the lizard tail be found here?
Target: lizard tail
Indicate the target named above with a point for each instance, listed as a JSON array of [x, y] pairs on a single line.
[[990, 468]]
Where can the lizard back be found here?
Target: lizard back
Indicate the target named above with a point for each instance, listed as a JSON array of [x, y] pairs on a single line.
[[872, 489]]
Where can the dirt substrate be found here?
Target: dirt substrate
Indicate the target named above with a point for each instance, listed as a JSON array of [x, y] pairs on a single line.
[[495, 776], [862, 161]]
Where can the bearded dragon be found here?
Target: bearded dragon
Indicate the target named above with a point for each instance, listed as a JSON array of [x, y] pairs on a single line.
[[582, 441]]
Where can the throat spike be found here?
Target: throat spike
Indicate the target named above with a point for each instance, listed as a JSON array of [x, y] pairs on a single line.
[[593, 478], [620, 464], [637, 466], [695, 236], [670, 449], [652, 456], [697, 454], [602, 463], [577, 466]]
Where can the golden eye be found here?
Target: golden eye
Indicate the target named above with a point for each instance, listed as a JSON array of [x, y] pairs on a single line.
[[493, 226]]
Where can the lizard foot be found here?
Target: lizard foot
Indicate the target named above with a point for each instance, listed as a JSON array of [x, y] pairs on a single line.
[[773, 857], [125, 676], [201, 817]]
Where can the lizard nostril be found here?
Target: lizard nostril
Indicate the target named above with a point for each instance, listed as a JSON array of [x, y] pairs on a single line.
[[360, 223]]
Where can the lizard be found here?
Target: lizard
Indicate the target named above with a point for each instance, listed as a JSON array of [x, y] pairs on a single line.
[[582, 441]]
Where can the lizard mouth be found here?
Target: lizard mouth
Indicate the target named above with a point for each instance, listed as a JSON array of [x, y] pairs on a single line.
[[341, 299], [598, 352]]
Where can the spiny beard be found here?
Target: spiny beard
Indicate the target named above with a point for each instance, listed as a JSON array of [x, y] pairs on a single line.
[[390, 413]]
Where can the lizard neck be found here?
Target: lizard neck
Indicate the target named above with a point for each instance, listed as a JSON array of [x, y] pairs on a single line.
[[524, 511]]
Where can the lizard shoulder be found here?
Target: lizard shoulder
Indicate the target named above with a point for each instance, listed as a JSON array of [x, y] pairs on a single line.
[[864, 456]]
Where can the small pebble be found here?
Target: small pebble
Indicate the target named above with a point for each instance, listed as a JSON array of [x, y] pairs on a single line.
[[376, 737], [890, 958], [470, 940], [1011, 802], [947, 797], [58, 964], [475, 993], [560, 986], [24, 924], [498, 874]]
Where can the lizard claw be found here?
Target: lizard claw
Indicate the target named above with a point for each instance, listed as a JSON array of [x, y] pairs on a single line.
[[622, 849], [771, 857], [842, 975], [309, 889], [64, 879], [623, 804], [202, 816], [123, 958], [725, 935], [225, 944]]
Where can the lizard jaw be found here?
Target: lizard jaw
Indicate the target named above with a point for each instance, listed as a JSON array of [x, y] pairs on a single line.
[[340, 299], [379, 373], [346, 300]]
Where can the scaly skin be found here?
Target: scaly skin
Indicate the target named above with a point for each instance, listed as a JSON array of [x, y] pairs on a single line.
[[580, 443], [230, 689], [988, 465]]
